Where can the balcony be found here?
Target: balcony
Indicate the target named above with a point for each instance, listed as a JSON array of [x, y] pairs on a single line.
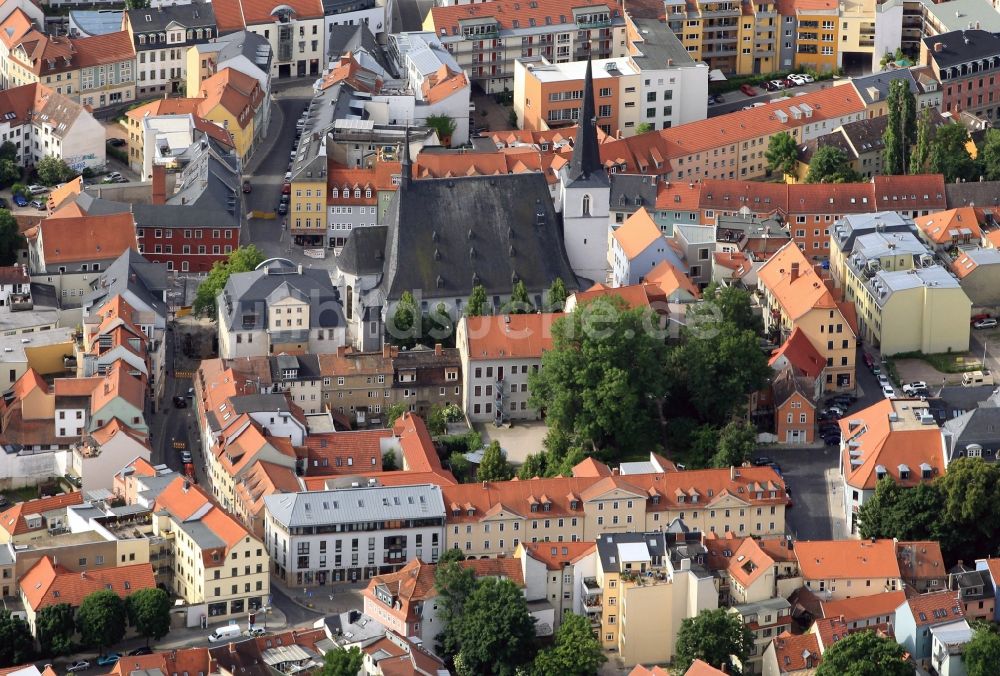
[[587, 25], [591, 590]]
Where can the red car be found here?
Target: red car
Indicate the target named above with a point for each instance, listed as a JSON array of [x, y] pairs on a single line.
[[975, 318], [869, 362], [286, 189], [748, 90]]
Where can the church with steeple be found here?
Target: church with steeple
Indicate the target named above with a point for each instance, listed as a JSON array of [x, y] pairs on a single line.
[[584, 196]]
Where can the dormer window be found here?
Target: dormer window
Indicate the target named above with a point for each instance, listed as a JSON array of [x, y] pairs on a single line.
[[534, 507], [574, 504], [547, 507], [656, 499], [471, 511]]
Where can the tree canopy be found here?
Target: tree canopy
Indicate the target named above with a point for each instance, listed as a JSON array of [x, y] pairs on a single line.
[[576, 651], [782, 153], [982, 653], [244, 259], [712, 636], [496, 634], [342, 662], [444, 126], [9, 172], [454, 584], [737, 441], [557, 295], [476, 307], [948, 154], [829, 164], [494, 466], [603, 379], [901, 127], [864, 653], [52, 170], [149, 612], [101, 619], [17, 645], [405, 324], [56, 628], [990, 155], [11, 240]]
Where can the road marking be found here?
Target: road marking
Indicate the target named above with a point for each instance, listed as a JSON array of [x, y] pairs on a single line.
[[180, 444], [183, 374]]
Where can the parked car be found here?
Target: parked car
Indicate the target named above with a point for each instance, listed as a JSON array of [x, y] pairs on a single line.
[[112, 177], [282, 209], [806, 78], [180, 402], [835, 411], [247, 187], [286, 189], [776, 467], [40, 205], [876, 369], [3, 500], [285, 199], [789, 83], [288, 177], [711, 99], [799, 79], [36, 189], [141, 650], [761, 461], [185, 457], [719, 98], [985, 324], [883, 380], [978, 317], [915, 387], [20, 200], [748, 90], [888, 392], [869, 360], [108, 660], [255, 631], [117, 142], [777, 84], [4, 204], [79, 665]]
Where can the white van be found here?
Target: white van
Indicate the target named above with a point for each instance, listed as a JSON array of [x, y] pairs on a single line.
[[226, 633], [977, 378]]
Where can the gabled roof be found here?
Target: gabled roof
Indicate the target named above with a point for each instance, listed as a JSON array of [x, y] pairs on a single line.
[[638, 233], [13, 522], [944, 226], [103, 49], [419, 453], [234, 15], [671, 280], [749, 563], [47, 584], [796, 652], [86, 238], [697, 668], [801, 354], [861, 608], [934, 608], [921, 560], [525, 336], [329, 453], [794, 283], [556, 555], [238, 93], [845, 559]]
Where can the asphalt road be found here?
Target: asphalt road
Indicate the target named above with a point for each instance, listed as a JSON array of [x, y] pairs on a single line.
[[806, 472]]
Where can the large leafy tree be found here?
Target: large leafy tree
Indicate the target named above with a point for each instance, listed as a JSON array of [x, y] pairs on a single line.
[[902, 513], [8, 151], [9, 172], [982, 653], [342, 662], [990, 155], [404, 325], [782, 153], [11, 240], [519, 302], [244, 259], [56, 628], [17, 645], [726, 304], [494, 466], [52, 170], [970, 489], [737, 441], [603, 380], [922, 148], [901, 127], [444, 126], [713, 636], [476, 307], [576, 651], [556, 297], [829, 164], [101, 619], [948, 154], [454, 584], [864, 653], [535, 464], [149, 612], [496, 633]]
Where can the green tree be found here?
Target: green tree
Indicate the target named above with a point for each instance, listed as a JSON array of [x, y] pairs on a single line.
[[922, 148], [948, 154], [394, 413], [56, 629], [535, 464], [901, 127], [460, 466], [101, 620], [896, 512], [644, 128], [9, 172], [494, 466], [437, 423], [454, 583], [716, 368], [556, 296], [829, 164], [519, 303], [17, 645], [727, 304], [244, 259], [864, 653], [496, 634], [439, 327], [970, 488], [52, 170], [8, 151], [444, 126], [602, 382], [389, 461], [149, 612], [476, 307], [737, 441], [712, 636], [576, 652], [342, 662], [11, 240], [982, 653], [990, 155], [404, 326], [782, 153]]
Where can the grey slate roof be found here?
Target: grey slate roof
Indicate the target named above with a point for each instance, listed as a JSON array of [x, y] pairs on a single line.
[[307, 366], [958, 47], [444, 236], [978, 426], [343, 39], [149, 281], [253, 403], [879, 82], [201, 534], [158, 19], [659, 44], [353, 505], [95, 22], [247, 293], [585, 166], [631, 191], [972, 194], [364, 251]]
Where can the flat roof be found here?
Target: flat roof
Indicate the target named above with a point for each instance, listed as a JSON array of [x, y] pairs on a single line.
[[659, 46], [603, 69], [12, 348], [958, 14]]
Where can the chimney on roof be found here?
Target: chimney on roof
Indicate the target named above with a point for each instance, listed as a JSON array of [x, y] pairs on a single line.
[[938, 46], [386, 351], [83, 574], [438, 349], [187, 486], [159, 184], [795, 271], [341, 350]]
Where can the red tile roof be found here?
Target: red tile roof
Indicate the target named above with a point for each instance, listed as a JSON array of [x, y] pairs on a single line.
[[509, 336], [237, 92], [921, 560], [87, 238], [234, 15], [47, 584], [589, 467], [845, 559], [862, 608], [637, 233], [340, 452], [646, 295], [795, 653], [13, 522], [103, 49], [749, 563], [419, 453], [910, 192], [542, 12], [671, 280], [801, 354], [935, 608], [555, 555]]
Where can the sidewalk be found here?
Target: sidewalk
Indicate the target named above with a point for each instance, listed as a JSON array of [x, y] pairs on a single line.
[[331, 599], [277, 121]]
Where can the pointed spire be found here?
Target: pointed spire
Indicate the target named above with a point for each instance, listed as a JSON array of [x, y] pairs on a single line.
[[406, 169], [586, 160]]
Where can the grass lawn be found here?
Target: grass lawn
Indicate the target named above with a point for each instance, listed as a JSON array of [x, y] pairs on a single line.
[[946, 362], [15, 495]]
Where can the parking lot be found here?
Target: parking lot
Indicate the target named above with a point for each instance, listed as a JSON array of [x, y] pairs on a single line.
[[812, 476]]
